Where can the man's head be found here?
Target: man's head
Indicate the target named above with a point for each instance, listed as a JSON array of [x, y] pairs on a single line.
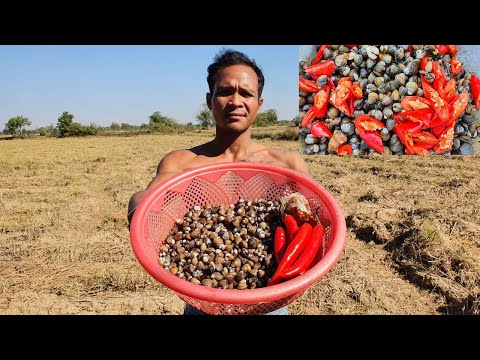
[[236, 85], [227, 57]]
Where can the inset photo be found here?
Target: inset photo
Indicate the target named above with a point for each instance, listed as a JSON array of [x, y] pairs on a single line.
[[389, 99]]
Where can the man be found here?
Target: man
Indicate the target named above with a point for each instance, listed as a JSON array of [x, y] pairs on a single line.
[[235, 98]]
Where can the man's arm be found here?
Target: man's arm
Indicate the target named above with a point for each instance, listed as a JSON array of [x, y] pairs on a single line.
[[170, 165]]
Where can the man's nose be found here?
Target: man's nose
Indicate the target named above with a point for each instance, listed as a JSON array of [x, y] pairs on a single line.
[[236, 99]]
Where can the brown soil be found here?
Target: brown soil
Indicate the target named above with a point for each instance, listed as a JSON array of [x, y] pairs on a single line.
[[413, 244]]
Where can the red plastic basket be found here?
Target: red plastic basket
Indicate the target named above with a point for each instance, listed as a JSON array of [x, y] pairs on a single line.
[[224, 184]]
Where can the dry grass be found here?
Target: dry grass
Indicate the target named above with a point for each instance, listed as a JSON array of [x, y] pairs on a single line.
[[413, 230], [276, 133]]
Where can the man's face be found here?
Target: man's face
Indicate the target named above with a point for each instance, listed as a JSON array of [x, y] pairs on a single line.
[[234, 102]]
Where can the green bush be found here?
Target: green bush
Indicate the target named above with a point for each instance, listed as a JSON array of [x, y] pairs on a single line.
[[266, 118]]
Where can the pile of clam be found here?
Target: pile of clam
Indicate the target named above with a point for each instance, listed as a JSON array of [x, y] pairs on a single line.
[[385, 74], [227, 247]]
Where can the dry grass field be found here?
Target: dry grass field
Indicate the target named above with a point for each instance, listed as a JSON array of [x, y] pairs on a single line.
[[413, 243]]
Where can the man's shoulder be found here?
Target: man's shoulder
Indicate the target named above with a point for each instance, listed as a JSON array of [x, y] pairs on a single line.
[[179, 154], [176, 160], [284, 153]]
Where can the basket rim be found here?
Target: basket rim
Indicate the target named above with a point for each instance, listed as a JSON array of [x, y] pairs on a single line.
[[247, 296]]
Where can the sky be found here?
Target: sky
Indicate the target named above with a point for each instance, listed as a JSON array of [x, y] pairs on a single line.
[[102, 84]]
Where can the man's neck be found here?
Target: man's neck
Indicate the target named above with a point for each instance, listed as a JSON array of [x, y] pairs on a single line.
[[234, 147]]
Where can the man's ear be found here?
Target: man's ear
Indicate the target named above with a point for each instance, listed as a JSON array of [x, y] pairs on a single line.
[[208, 97], [260, 103]]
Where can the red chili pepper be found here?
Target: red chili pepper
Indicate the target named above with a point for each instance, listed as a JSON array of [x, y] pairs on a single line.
[[401, 128], [307, 85], [456, 66], [308, 254], [333, 100], [421, 148], [424, 139], [351, 46], [320, 102], [292, 253], [322, 68], [424, 62], [319, 129], [439, 104], [452, 49], [343, 91], [459, 104], [351, 104], [417, 150], [291, 225], [442, 49], [445, 140], [410, 48], [417, 115], [368, 128], [308, 118], [356, 91], [440, 77], [475, 88], [345, 150], [319, 55], [279, 243], [330, 83], [438, 130], [447, 92], [410, 126], [415, 103]]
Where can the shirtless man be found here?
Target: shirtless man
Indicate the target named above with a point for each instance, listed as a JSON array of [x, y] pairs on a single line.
[[235, 98]]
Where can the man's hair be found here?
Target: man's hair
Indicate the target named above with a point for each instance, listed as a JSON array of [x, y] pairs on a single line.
[[228, 57]]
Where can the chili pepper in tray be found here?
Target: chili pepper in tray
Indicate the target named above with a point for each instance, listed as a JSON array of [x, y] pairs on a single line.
[[322, 68], [291, 225], [345, 149], [415, 103], [308, 118], [368, 128], [308, 254], [475, 87], [319, 129], [456, 65], [440, 105], [292, 252], [279, 243], [319, 55], [320, 102], [284, 236], [307, 85]]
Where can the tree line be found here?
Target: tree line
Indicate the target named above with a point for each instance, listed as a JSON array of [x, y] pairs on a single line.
[[158, 122]]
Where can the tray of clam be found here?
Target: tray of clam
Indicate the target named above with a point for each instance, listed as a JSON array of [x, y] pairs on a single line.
[[389, 99]]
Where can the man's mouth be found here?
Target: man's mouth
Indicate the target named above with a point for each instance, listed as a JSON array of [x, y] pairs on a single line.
[[235, 114]]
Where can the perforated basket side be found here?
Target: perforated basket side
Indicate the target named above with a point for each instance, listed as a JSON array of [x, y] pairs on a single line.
[[213, 308]]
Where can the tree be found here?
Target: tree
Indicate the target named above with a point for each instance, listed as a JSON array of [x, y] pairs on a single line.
[[14, 125], [266, 118], [160, 122], [114, 126], [46, 130], [205, 117], [64, 123]]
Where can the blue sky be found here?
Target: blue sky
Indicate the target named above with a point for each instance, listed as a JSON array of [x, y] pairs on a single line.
[[126, 83]]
